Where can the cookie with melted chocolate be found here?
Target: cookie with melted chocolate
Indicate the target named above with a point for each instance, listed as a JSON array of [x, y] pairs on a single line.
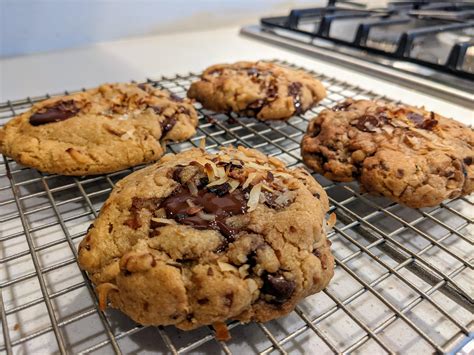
[[257, 89], [109, 128], [408, 154], [201, 238]]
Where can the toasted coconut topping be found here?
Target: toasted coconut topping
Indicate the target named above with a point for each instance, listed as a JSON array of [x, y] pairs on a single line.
[[192, 188], [254, 197], [163, 220]]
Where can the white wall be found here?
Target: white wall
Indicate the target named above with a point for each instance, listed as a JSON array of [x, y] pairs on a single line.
[[29, 26]]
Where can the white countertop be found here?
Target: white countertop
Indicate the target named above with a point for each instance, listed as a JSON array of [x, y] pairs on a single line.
[[154, 56]]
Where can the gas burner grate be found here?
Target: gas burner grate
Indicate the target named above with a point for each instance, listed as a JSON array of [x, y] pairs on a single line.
[[410, 24], [403, 279]]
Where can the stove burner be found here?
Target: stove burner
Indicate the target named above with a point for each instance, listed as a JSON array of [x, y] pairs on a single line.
[[437, 35]]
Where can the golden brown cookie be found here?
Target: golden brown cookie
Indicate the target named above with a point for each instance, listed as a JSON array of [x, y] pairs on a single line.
[[410, 155], [257, 89], [201, 238], [112, 127]]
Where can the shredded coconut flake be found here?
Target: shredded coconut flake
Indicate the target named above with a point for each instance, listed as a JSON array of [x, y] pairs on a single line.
[[254, 197], [163, 220]]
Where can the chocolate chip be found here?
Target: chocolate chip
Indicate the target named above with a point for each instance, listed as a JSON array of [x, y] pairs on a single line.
[[317, 253], [219, 190], [343, 106], [145, 306], [294, 90], [270, 176], [400, 173], [203, 301], [203, 182], [422, 122], [367, 123], [210, 272], [468, 160], [167, 125], [277, 286], [59, 111], [111, 227], [176, 174]]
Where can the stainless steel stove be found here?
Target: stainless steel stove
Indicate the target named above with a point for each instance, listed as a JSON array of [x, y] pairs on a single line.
[[426, 45]]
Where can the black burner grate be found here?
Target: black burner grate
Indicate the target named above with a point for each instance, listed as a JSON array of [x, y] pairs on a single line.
[[412, 28], [403, 280]]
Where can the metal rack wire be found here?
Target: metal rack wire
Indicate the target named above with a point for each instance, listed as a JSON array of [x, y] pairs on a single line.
[[403, 279]]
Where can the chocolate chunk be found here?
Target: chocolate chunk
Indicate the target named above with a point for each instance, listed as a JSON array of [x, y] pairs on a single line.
[[219, 190], [203, 182], [216, 207], [294, 90], [277, 286], [176, 174], [468, 160], [343, 106], [59, 111], [422, 122], [368, 123], [167, 125], [272, 90], [203, 301]]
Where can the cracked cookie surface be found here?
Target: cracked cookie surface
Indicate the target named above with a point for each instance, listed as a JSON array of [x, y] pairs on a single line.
[[257, 89], [109, 128], [410, 155], [200, 238]]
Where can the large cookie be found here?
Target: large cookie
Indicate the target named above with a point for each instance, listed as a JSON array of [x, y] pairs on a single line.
[[201, 238], [257, 89], [112, 127], [410, 155]]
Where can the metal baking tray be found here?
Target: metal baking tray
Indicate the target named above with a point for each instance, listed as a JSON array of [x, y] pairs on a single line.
[[403, 278]]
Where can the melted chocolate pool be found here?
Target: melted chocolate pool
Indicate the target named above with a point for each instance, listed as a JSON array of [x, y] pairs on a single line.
[[221, 206], [60, 111]]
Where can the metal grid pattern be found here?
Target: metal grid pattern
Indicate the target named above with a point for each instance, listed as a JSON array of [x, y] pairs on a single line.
[[403, 279]]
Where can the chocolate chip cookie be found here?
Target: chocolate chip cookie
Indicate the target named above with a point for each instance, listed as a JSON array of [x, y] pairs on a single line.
[[112, 127], [257, 89], [410, 155], [200, 238]]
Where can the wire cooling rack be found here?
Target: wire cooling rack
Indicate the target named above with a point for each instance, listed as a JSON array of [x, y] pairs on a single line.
[[403, 278]]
